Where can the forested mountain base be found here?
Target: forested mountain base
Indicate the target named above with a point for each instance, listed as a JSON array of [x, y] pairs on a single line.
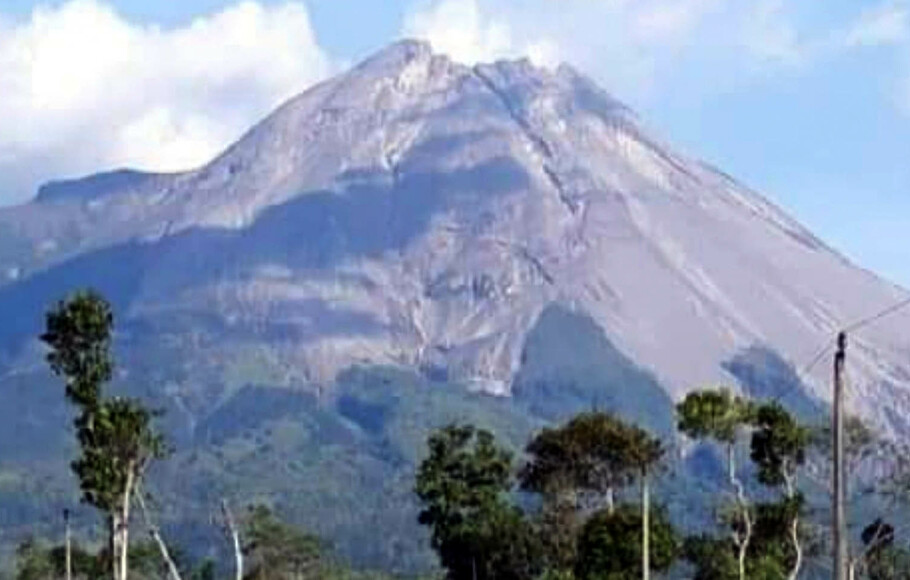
[[571, 503]]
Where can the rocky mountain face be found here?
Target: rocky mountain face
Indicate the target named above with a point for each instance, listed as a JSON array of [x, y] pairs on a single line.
[[415, 213], [422, 213]]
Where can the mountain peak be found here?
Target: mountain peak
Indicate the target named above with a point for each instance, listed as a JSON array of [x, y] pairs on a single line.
[[403, 50], [416, 211]]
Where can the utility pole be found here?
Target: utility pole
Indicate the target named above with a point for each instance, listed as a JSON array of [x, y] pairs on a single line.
[[68, 547], [839, 508], [645, 527]]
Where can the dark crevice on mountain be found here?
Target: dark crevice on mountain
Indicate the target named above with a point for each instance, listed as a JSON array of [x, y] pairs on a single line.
[[540, 144]]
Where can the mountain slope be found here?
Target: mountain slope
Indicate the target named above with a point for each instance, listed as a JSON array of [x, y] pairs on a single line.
[[430, 217], [418, 212]]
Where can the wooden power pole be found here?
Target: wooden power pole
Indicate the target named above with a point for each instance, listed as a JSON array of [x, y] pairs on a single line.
[[839, 501]]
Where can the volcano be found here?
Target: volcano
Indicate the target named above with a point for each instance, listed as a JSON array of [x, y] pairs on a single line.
[[499, 229]]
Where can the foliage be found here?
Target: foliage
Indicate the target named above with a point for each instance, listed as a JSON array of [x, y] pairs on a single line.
[[778, 449], [462, 485], [260, 429], [713, 414], [772, 546], [890, 563], [885, 560], [37, 561], [550, 574], [501, 545], [716, 559], [609, 546], [78, 331], [32, 562], [718, 415], [114, 435], [712, 558], [558, 526], [204, 571], [778, 445], [590, 456], [275, 550], [766, 538], [465, 485], [581, 455]]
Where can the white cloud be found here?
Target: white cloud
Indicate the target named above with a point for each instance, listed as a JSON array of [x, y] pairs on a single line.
[[884, 25], [84, 89], [771, 36], [634, 47], [460, 29]]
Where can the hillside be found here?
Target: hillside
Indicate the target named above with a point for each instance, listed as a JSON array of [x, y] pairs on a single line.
[[411, 242]]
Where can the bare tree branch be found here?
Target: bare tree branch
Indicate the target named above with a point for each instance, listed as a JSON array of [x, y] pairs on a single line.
[[156, 536]]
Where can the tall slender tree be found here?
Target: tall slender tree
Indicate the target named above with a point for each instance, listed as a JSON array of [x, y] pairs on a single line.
[[115, 434], [778, 449], [720, 416], [642, 453]]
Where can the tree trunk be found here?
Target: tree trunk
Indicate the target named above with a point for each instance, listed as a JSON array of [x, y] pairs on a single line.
[[611, 500], [125, 522], [794, 529], [68, 546], [645, 527], [159, 541], [798, 563], [235, 537], [742, 541], [113, 544]]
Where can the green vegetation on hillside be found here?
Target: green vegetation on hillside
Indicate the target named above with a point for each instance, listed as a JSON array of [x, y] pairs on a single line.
[[581, 476]]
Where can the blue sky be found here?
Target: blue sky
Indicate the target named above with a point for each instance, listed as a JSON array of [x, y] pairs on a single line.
[[807, 102]]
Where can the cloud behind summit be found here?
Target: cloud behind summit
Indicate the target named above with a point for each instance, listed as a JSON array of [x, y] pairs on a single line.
[[85, 89]]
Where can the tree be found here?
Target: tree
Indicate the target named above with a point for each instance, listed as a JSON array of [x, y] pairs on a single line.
[[884, 559], [573, 467], [589, 457], [712, 558], [717, 558], [462, 485], [772, 553], [115, 435], [641, 453], [878, 468], [778, 449], [32, 562], [204, 571], [276, 550], [719, 416], [609, 546], [37, 561], [581, 459]]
